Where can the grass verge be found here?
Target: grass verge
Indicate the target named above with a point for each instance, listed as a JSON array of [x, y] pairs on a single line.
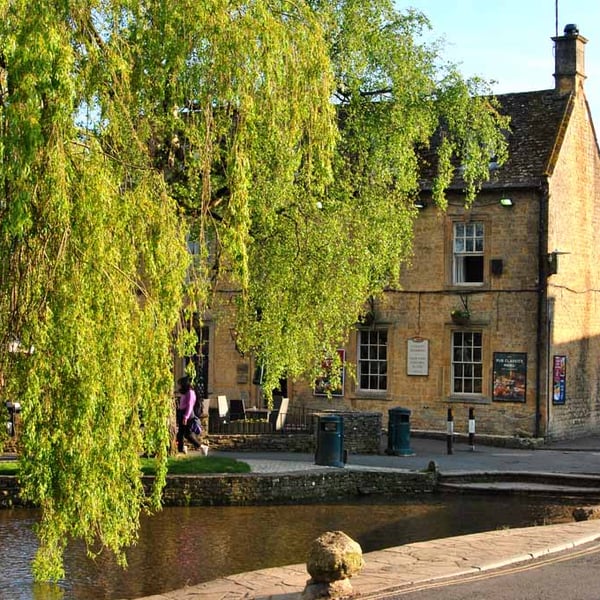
[[197, 465], [177, 465]]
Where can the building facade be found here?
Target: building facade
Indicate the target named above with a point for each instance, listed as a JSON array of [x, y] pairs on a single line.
[[498, 310]]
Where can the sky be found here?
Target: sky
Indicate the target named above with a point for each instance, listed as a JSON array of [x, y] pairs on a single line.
[[509, 41]]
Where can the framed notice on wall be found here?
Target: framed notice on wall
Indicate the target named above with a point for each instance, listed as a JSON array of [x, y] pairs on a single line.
[[510, 376], [417, 356], [559, 379]]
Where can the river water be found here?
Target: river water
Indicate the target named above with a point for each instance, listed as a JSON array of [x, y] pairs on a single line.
[[185, 546]]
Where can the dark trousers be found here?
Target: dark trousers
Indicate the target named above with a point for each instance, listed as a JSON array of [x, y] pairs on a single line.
[[184, 433]]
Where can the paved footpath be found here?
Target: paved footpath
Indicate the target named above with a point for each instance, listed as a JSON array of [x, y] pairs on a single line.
[[392, 568]]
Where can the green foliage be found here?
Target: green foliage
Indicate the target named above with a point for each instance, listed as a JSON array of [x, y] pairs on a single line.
[[128, 128], [92, 259], [315, 256]]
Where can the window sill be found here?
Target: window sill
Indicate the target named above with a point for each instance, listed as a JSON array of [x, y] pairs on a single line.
[[370, 394], [474, 399], [461, 287]]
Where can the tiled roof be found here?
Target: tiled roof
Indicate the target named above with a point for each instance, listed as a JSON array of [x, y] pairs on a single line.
[[536, 120]]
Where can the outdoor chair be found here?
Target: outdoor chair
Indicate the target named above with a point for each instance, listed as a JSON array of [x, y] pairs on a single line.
[[279, 413], [223, 407], [237, 410]]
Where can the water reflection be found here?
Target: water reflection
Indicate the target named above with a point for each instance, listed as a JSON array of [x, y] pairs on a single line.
[[185, 546]]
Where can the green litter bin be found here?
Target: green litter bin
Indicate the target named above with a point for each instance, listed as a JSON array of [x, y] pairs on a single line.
[[330, 441], [399, 432]]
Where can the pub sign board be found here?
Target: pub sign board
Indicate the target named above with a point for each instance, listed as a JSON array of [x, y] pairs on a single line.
[[510, 377]]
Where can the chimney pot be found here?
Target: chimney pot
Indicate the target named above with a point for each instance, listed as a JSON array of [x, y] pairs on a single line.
[[571, 29]]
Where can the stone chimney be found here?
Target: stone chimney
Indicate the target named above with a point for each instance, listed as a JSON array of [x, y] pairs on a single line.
[[569, 58]]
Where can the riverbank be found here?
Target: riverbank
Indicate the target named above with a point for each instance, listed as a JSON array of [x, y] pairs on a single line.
[[253, 489]]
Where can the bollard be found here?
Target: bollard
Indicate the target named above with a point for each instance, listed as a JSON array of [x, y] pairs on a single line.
[[472, 428], [450, 431]]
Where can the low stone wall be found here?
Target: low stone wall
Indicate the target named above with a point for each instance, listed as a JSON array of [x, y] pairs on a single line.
[[362, 435], [249, 489], [500, 441], [362, 431], [290, 488], [266, 442]]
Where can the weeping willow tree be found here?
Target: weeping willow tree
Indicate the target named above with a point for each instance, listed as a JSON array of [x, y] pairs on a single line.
[[281, 138], [314, 255]]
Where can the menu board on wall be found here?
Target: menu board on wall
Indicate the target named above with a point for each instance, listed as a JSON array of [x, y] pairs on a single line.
[[510, 376], [417, 356]]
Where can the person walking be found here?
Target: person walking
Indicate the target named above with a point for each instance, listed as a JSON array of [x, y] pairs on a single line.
[[185, 411]]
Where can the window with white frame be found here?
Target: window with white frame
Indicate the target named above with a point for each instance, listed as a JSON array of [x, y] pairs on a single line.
[[467, 362], [467, 251], [372, 359], [193, 247]]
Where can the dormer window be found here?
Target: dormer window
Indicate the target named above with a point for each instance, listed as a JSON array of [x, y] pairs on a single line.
[[467, 268]]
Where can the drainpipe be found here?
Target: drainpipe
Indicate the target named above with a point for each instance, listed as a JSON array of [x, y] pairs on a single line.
[[542, 299]]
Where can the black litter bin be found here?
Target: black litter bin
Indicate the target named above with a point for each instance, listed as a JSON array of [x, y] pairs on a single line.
[[399, 432], [330, 441]]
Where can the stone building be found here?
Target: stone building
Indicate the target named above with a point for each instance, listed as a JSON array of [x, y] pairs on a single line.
[[498, 311]]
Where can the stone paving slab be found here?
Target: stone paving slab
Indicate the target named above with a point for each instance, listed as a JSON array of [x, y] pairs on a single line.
[[521, 487]]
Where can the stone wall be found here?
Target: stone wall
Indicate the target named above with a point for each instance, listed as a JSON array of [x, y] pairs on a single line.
[[10, 492], [286, 488], [574, 303], [362, 435], [362, 430], [266, 442], [280, 488]]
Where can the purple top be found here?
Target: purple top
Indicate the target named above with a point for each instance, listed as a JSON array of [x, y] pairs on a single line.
[[186, 403]]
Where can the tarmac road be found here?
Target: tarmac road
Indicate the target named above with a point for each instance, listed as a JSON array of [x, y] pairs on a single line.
[[572, 575]]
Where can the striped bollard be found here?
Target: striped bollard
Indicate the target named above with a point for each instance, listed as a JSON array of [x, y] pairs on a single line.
[[450, 431], [472, 428]]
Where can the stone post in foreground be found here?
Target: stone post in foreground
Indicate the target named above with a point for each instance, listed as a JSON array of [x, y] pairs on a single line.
[[333, 559]]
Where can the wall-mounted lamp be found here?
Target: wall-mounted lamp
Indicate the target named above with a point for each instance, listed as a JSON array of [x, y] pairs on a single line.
[[552, 259], [506, 202]]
